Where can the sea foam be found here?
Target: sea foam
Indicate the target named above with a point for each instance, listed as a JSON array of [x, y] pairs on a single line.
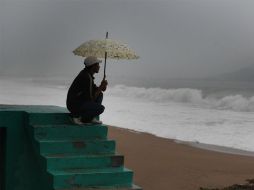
[[186, 96]]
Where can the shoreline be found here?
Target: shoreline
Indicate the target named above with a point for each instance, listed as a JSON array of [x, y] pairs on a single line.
[[216, 148], [162, 164], [204, 146]]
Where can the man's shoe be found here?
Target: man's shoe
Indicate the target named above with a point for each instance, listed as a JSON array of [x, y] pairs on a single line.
[[83, 121], [96, 121], [77, 120]]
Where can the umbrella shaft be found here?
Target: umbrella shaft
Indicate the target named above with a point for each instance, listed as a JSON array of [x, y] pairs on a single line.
[[105, 64]]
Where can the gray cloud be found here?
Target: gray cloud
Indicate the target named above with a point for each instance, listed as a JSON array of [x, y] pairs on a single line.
[[177, 38]]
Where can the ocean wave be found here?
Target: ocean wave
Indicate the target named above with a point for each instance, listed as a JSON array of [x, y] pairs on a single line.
[[185, 95]]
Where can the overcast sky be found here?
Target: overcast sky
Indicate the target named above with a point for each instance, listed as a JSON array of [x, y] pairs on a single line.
[[174, 38]]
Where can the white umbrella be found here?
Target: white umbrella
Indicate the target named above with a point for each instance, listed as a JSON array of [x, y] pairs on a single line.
[[105, 48]]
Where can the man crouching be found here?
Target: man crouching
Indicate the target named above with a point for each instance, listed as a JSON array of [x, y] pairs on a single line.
[[84, 98]]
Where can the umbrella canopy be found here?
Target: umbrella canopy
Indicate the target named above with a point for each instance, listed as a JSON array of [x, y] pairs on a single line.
[[104, 48], [115, 49]]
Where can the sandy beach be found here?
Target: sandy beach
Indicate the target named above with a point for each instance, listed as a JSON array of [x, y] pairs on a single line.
[[163, 164]]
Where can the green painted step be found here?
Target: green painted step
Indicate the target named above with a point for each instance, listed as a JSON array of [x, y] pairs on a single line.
[[133, 187], [81, 147], [64, 161], [70, 132], [48, 118], [118, 177]]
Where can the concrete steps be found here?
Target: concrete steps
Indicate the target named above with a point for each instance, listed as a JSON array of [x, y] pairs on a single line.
[[78, 157], [77, 146], [71, 132], [83, 161], [133, 187], [92, 177], [48, 118]]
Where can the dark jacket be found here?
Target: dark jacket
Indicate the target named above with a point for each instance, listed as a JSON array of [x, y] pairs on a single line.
[[81, 90]]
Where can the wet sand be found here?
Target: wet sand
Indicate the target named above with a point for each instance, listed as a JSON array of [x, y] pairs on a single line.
[[163, 164]]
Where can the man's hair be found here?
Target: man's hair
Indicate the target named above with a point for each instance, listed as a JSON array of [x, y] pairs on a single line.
[[89, 67]]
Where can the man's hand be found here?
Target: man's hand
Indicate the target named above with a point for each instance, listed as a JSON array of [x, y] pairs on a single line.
[[102, 87], [104, 84]]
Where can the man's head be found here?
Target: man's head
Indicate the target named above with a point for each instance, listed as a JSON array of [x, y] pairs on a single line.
[[92, 63]]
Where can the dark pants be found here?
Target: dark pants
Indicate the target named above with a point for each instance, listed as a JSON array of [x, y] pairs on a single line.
[[89, 109]]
